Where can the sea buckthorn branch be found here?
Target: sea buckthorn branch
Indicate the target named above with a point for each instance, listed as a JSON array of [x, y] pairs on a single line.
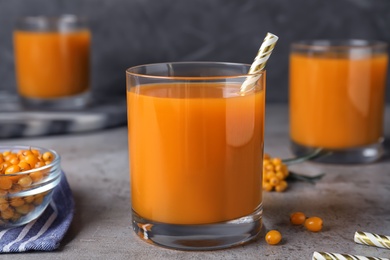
[[276, 175]]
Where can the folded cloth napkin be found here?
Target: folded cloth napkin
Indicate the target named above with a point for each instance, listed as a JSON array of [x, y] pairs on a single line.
[[46, 232]]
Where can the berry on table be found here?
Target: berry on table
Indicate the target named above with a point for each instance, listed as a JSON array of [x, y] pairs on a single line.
[[297, 218], [273, 237], [314, 224]]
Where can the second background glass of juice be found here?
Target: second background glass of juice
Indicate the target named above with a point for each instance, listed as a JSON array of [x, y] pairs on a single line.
[[337, 94], [52, 61]]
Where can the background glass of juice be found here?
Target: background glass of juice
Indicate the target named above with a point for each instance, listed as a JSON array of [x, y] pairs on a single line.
[[337, 94], [52, 56], [196, 151]]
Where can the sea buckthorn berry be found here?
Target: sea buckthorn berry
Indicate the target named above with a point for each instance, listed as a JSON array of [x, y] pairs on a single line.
[[274, 173], [4, 166], [26, 152], [30, 159], [276, 161], [281, 186], [273, 237], [25, 181], [14, 160], [16, 202], [266, 162], [38, 199], [269, 167], [16, 216], [35, 152], [15, 188], [14, 168], [274, 181], [47, 156], [5, 153], [9, 156], [3, 204], [314, 224], [29, 199], [39, 164], [24, 209], [24, 166], [267, 186], [36, 176], [297, 218], [268, 175], [5, 183], [7, 213], [279, 175]]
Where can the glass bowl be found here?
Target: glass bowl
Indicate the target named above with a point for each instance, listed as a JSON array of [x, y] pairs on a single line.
[[28, 176]]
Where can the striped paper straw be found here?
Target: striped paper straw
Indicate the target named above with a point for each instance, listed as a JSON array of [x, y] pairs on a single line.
[[261, 59], [372, 239], [335, 256]]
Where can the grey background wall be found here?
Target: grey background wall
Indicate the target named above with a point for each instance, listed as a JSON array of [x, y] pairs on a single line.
[[132, 32]]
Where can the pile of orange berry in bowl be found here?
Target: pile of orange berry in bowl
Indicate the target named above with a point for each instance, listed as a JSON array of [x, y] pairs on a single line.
[[28, 176]]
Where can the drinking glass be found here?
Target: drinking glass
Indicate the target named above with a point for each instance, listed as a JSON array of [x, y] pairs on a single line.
[[52, 61], [337, 94], [196, 151]]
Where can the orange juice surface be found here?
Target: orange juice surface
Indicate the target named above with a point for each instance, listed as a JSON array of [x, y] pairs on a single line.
[[195, 152], [335, 102], [52, 64]]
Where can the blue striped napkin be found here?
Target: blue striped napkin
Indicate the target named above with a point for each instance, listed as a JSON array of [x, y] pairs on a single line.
[[46, 232]]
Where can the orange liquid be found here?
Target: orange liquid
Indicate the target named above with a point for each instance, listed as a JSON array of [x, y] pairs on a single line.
[[52, 64], [336, 102], [196, 157]]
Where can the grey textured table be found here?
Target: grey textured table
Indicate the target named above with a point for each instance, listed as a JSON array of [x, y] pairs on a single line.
[[348, 198]]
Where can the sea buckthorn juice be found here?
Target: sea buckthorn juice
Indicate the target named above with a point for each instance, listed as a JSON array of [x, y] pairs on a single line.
[[337, 93], [52, 60], [196, 150]]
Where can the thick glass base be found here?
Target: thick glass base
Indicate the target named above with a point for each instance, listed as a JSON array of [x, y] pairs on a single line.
[[65, 103], [363, 154], [200, 237]]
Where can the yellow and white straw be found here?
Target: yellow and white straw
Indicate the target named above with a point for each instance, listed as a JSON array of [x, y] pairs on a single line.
[[260, 61], [372, 239], [336, 256]]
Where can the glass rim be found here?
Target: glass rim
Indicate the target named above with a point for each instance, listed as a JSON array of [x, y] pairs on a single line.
[[51, 23], [132, 70], [339, 44]]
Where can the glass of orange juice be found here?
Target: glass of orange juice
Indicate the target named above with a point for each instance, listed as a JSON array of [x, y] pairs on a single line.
[[196, 151], [52, 60], [337, 95]]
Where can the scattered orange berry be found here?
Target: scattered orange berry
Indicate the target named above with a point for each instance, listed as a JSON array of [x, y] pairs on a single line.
[[273, 237], [297, 218], [314, 224]]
